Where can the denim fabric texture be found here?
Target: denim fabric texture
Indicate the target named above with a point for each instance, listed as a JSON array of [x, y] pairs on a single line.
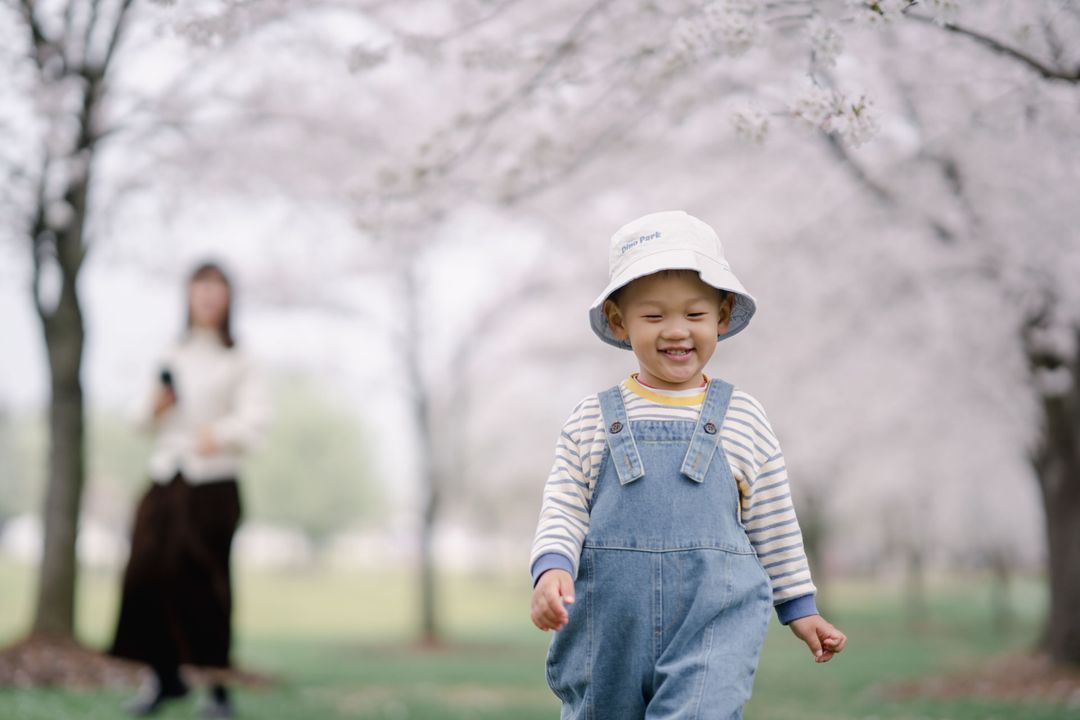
[[672, 603]]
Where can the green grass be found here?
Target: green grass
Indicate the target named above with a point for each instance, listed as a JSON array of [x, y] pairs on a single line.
[[341, 647]]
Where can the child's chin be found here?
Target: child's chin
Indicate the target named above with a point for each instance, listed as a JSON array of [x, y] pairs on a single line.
[[679, 375]]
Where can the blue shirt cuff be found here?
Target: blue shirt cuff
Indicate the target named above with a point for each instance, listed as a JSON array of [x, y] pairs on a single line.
[[550, 561], [795, 608]]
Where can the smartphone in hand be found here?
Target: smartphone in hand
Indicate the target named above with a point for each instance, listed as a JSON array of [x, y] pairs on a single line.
[[167, 381], [165, 397]]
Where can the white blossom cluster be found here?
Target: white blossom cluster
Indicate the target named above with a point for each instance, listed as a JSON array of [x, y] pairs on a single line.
[[877, 12], [501, 57], [205, 32], [735, 23], [730, 27], [826, 42], [833, 112], [365, 57], [943, 10], [750, 124]]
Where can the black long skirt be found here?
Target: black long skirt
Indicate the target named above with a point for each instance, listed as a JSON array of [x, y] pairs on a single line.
[[176, 603]]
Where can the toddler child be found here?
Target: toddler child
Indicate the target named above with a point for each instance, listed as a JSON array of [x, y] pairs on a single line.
[[667, 530]]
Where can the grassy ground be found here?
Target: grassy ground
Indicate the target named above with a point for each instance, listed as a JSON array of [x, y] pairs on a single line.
[[340, 645]]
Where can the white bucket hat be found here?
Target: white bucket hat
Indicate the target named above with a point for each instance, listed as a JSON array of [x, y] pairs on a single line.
[[671, 240]]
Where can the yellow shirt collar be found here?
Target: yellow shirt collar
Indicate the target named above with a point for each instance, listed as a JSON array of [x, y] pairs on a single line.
[[661, 398]]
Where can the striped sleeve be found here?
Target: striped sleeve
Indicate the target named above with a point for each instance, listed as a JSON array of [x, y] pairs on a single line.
[[564, 513], [767, 510]]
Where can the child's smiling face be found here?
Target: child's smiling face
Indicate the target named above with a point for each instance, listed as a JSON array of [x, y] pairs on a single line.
[[672, 320]]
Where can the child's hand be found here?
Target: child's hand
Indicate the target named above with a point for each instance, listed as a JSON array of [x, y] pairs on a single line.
[[554, 589], [820, 636]]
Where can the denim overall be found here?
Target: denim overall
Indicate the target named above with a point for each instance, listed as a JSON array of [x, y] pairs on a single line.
[[672, 603]]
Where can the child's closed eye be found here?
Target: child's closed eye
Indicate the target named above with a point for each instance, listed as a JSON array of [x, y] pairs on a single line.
[[653, 317], [696, 315]]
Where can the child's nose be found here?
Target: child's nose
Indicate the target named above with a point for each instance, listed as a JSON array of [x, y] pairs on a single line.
[[675, 331]]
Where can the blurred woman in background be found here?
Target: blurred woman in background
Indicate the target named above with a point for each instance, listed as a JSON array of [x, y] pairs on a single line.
[[207, 409]]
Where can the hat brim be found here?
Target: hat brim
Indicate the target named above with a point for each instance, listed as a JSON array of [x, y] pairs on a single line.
[[713, 273]]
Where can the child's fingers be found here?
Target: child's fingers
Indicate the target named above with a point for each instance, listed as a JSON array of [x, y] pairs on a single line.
[[814, 643], [566, 590], [556, 610], [559, 594], [835, 643], [537, 616], [544, 620], [551, 610], [543, 614], [832, 644], [549, 603]]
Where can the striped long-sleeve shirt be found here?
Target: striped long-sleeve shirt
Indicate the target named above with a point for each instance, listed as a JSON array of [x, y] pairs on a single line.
[[757, 464]]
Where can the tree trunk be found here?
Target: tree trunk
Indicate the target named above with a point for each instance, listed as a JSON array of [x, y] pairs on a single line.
[[1057, 465], [815, 534], [1059, 478], [54, 613], [1001, 591], [430, 505], [429, 626], [1061, 498], [63, 329], [62, 241], [915, 605]]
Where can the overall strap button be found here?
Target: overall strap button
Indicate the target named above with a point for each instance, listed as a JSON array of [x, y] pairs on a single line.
[[710, 427], [615, 426]]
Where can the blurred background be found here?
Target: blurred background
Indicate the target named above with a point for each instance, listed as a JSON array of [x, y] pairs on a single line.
[[414, 200]]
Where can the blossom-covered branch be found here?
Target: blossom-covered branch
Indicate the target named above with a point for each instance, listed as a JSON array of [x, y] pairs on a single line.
[[1047, 72]]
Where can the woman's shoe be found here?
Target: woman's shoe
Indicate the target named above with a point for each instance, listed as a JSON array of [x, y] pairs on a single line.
[[153, 696], [219, 705]]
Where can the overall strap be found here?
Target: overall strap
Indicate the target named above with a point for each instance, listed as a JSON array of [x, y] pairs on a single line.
[[707, 432], [624, 453]]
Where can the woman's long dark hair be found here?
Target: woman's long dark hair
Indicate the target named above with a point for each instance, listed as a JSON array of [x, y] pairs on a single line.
[[213, 271]]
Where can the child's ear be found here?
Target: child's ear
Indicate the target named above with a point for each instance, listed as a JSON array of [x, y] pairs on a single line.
[[615, 321], [726, 306]]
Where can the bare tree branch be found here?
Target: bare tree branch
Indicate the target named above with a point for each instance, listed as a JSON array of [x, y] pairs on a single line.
[[38, 228], [478, 22], [1033, 63], [1057, 48], [88, 31], [488, 322], [879, 191], [841, 153], [945, 162], [69, 36], [562, 49], [43, 46], [586, 155], [114, 38]]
